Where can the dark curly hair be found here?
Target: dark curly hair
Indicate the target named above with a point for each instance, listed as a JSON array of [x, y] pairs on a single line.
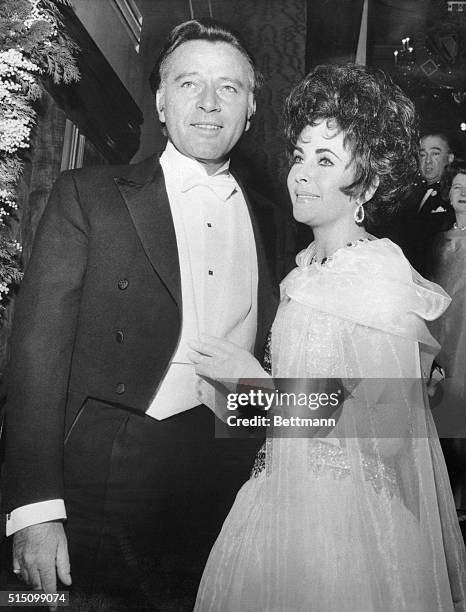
[[377, 119], [458, 166]]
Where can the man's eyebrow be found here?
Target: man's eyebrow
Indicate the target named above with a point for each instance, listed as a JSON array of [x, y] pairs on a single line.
[[187, 75], [237, 82], [318, 151], [184, 75]]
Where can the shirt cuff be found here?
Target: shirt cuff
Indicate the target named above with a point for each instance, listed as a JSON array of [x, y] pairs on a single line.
[[32, 514]]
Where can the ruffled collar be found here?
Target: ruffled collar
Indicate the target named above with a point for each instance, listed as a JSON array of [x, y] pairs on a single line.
[[371, 284]]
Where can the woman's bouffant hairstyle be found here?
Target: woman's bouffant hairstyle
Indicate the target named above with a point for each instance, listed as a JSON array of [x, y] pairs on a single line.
[[201, 29], [457, 166], [378, 122]]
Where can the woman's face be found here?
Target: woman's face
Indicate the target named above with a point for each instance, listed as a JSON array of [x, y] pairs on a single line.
[[458, 193], [321, 167]]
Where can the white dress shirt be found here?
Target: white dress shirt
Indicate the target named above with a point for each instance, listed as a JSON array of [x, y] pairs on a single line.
[[218, 268], [219, 277]]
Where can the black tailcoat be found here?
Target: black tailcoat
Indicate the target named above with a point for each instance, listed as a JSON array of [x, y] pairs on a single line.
[[99, 312]]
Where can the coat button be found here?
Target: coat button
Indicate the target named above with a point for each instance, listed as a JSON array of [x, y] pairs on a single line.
[[119, 336], [120, 388], [123, 283]]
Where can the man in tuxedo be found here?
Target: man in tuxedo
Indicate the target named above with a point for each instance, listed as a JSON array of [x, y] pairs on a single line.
[[111, 459], [426, 212]]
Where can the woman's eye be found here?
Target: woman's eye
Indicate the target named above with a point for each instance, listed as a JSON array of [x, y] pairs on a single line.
[[229, 89], [188, 84], [297, 158], [325, 161]]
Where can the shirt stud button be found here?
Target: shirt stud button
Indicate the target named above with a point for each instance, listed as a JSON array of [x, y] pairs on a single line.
[[123, 283], [120, 388]]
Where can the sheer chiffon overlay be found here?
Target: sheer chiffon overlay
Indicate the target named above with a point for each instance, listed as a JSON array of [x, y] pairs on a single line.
[[363, 519], [449, 271]]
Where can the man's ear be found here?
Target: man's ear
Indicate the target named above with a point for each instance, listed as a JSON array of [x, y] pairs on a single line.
[[251, 110], [451, 157], [160, 103], [371, 190]]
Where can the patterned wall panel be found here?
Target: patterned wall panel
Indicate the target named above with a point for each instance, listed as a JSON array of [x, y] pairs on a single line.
[[275, 31]]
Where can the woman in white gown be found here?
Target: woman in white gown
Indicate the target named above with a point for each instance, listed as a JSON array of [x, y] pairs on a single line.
[[361, 520]]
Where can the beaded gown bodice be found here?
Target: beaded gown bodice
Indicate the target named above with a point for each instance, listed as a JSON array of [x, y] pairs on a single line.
[[321, 343], [312, 344]]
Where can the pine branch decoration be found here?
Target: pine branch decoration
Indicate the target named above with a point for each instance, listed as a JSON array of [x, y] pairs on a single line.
[[33, 42]]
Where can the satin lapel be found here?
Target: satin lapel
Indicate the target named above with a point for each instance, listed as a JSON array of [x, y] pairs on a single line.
[[267, 290], [149, 208]]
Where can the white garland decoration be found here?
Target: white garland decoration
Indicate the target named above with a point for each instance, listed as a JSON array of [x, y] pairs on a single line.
[[19, 86]]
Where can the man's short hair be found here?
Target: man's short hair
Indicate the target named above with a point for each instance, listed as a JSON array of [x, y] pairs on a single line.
[[440, 135], [201, 29]]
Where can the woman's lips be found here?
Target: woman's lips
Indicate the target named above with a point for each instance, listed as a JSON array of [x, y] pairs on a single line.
[[304, 195]]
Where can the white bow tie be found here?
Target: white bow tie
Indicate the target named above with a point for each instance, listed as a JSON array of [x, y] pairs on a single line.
[[223, 185]]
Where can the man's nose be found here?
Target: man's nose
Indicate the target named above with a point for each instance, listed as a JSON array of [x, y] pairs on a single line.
[[208, 100]]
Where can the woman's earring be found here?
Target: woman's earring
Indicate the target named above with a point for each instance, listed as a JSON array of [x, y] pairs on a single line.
[[359, 214]]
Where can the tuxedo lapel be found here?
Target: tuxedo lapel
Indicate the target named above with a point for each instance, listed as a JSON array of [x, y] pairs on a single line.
[[425, 199], [149, 208], [267, 290]]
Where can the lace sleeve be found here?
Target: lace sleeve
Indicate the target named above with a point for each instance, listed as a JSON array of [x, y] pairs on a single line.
[[267, 361]]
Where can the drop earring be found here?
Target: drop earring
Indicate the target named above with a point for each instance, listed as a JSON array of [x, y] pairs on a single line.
[[359, 214]]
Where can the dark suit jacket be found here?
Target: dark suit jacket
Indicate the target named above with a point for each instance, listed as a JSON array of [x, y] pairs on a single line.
[[98, 313], [436, 215], [414, 229]]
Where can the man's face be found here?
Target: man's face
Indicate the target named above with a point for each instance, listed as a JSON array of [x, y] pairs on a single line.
[[206, 100], [434, 155]]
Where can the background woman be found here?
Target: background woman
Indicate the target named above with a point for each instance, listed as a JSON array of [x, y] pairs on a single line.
[[449, 271], [362, 519]]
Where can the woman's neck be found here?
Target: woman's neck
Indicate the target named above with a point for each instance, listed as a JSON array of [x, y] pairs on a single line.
[[327, 240], [461, 219]]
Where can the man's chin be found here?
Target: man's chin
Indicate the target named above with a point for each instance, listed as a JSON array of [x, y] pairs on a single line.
[[209, 155]]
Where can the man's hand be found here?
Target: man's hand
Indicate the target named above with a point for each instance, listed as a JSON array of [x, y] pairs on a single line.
[[40, 552], [218, 359]]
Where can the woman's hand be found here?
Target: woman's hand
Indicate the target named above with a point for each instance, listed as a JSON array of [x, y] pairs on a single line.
[[220, 359]]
